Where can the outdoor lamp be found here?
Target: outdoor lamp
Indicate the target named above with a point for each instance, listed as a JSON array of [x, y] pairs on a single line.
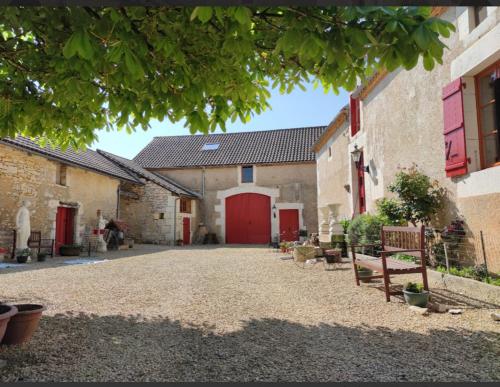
[[356, 156], [274, 210]]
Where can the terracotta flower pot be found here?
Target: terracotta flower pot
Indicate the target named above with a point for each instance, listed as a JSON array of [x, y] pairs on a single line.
[[22, 326], [6, 313]]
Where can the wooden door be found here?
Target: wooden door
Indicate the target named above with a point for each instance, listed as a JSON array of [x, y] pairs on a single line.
[[289, 225], [65, 219], [186, 230], [361, 185], [248, 219]]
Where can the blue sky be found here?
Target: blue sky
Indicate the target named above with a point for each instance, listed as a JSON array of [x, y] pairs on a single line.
[[297, 109]]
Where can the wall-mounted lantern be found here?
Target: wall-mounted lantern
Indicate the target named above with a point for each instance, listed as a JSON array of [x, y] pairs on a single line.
[[356, 156], [274, 210]]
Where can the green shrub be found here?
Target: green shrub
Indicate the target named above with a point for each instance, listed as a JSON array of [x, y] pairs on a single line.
[[345, 225], [418, 197], [390, 210], [404, 257], [413, 287], [365, 228]]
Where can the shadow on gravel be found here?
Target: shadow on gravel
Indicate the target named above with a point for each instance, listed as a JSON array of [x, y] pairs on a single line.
[[115, 348]]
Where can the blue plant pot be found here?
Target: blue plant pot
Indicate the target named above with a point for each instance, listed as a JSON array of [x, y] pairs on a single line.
[[416, 299]]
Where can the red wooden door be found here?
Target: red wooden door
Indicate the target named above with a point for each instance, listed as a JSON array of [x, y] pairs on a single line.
[[289, 225], [361, 185], [186, 231], [248, 219], [64, 227]]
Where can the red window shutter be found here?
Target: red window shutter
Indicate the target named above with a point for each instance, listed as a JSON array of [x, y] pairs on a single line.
[[354, 105], [454, 129]]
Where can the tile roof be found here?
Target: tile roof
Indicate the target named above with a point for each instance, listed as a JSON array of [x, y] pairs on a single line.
[[162, 181], [87, 159], [261, 147]]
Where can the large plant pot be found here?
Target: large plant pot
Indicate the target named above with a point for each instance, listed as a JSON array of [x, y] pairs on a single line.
[[22, 258], [363, 275], [416, 299], [69, 251], [6, 313], [21, 326]]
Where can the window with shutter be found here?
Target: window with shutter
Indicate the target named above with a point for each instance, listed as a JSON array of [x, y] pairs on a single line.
[[454, 129], [355, 113], [488, 110]]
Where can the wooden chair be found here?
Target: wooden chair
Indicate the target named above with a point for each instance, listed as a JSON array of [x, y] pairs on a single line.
[[394, 240], [35, 241]]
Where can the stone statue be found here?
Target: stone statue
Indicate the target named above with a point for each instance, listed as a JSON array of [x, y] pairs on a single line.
[[23, 226], [101, 243]]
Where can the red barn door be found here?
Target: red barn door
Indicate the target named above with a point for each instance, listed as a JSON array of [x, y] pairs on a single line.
[[65, 219], [289, 225], [248, 219], [186, 231]]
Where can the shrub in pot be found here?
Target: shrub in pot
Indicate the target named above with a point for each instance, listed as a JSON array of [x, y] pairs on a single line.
[[41, 257], [415, 294], [70, 250], [23, 255], [363, 273]]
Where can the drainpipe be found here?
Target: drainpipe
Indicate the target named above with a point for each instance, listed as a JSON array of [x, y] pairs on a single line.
[[118, 202], [203, 182], [175, 219]]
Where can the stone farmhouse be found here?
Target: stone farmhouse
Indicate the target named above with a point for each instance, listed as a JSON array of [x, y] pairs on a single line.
[[66, 190], [254, 186], [244, 187], [446, 121]]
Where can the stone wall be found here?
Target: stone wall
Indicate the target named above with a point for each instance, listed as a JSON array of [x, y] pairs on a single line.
[[333, 175], [296, 183], [402, 124], [28, 176], [149, 212]]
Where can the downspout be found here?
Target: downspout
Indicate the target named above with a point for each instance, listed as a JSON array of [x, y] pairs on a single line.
[[118, 202], [175, 219], [203, 194]]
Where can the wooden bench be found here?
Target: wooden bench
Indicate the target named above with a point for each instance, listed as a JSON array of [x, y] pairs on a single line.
[[394, 240], [37, 242]]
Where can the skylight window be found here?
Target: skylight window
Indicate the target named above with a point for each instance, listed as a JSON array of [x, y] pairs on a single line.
[[213, 146]]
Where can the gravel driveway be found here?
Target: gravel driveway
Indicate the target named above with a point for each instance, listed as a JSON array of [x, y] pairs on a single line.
[[200, 314]]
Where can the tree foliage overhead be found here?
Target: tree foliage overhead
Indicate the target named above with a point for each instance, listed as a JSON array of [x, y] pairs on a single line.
[[67, 72]]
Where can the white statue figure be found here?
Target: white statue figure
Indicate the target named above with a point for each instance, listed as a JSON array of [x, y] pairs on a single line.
[[101, 243], [23, 226]]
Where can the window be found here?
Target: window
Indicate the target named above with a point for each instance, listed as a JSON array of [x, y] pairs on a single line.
[[480, 14], [247, 174], [207, 147], [161, 215], [488, 109], [185, 205], [61, 174]]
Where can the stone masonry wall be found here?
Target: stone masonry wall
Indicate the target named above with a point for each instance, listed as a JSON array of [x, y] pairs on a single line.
[[28, 176]]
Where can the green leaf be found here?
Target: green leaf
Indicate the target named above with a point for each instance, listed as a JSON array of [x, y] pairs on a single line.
[[243, 15], [204, 14], [428, 62], [422, 38]]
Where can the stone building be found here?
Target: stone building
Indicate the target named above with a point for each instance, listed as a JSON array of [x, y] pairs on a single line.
[[67, 188], [445, 121], [253, 185]]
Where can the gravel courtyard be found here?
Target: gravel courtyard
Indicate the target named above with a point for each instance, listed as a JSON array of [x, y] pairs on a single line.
[[234, 313]]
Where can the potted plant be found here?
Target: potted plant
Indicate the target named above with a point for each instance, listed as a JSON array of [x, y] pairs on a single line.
[[333, 255], [70, 250], [23, 255], [302, 235], [415, 294], [23, 324], [284, 246], [364, 273], [41, 257]]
